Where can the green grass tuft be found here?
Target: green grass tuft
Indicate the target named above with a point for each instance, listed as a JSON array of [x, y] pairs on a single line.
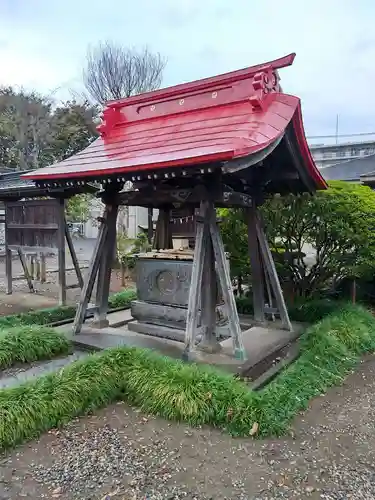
[[24, 344], [187, 392], [54, 314], [307, 311], [122, 299]]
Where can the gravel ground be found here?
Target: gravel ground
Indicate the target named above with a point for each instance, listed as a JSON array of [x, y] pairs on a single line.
[[49, 290], [122, 454]]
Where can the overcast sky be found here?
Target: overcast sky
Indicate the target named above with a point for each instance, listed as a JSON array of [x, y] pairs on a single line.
[[43, 45]]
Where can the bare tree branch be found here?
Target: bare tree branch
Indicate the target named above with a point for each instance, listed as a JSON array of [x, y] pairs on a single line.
[[114, 72]]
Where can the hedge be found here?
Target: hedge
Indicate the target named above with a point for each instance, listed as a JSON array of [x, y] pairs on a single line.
[[307, 311], [52, 315], [187, 392], [27, 343]]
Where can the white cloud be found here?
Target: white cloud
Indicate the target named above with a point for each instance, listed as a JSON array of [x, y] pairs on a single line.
[[333, 72]]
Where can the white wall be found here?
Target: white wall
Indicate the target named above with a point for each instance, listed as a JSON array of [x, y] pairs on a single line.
[[130, 219], [138, 216]]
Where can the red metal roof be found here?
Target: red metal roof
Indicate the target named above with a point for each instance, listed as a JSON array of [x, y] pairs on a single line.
[[221, 118]]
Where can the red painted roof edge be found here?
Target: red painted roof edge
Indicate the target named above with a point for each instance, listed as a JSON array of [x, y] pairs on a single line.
[[196, 85], [305, 150]]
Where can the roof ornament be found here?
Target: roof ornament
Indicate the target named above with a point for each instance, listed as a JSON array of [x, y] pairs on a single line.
[[264, 82], [110, 117]]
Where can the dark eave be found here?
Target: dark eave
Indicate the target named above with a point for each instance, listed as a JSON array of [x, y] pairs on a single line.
[[15, 187]]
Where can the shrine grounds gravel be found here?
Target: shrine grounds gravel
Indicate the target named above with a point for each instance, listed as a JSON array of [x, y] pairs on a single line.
[[122, 454]]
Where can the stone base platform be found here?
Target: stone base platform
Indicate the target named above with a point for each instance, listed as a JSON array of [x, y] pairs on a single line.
[[259, 342]]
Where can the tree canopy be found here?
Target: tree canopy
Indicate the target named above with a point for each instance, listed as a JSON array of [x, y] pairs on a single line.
[[34, 133], [317, 241]]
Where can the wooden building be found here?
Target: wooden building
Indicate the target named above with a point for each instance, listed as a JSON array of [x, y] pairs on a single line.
[[226, 141]]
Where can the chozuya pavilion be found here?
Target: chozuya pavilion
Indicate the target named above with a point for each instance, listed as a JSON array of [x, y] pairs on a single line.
[[226, 141]]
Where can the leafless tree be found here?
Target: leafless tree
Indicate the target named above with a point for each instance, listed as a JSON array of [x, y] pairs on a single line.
[[114, 72]]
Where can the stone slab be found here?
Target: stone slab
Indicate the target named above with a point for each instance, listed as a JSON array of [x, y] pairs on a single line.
[[14, 377], [119, 318], [171, 316], [157, 331], [259, 343], [106, 338]]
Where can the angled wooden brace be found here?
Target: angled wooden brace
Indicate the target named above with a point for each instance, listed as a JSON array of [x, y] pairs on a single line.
[[91, 275], [226, 285], [270, 269]]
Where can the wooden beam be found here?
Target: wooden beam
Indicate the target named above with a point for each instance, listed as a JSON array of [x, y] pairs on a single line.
[[91, 276], [36, 227], [178, 197], [272, 273], [26, 271], [226, 285], [27, 249], [196, 282], [257, 279], [61, 252], [74, 256]]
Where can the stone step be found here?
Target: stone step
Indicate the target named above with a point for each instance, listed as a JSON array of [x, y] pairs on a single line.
[[19, 375]]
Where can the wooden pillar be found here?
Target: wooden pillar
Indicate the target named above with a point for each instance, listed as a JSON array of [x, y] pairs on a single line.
[[196, 282], [163, 234], [150, 230], [31, 269], [272, 274], [257, 277], [61, 252], [37, 268], [91, 275], [73, 255], [209, 341], [105, 270], [207, 234], [8, 268], [43, 268], [226, 286]]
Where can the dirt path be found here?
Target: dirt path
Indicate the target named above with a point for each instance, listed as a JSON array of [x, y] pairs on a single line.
[[121, 454]]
